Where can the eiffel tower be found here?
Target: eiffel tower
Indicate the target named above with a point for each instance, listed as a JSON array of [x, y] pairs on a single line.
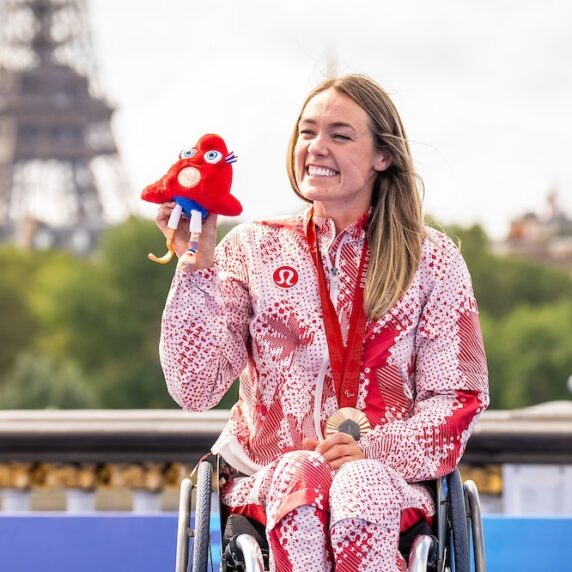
[[61, 180]]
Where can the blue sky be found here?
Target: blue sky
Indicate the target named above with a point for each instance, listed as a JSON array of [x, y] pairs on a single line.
[[484, 90]]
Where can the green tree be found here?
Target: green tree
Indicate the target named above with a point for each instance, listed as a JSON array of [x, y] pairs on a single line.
[[102, 314], [526, 323], [530, 355], [105, 315], [502, 283], [18, 325], [36, 382]]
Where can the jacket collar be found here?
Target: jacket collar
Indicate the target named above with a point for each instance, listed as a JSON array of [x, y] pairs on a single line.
[[326, 228]]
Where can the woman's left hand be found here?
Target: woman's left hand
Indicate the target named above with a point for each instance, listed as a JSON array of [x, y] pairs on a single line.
[[337, 449]]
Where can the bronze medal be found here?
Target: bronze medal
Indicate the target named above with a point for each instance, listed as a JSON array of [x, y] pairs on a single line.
[[348, 420]]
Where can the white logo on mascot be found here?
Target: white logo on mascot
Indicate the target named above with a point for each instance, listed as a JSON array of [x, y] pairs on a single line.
[[285, 277]]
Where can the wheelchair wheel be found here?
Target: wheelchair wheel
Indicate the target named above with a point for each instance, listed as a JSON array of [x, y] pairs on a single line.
[[183, 530], [201, 532], [477, 535], [459, 539]]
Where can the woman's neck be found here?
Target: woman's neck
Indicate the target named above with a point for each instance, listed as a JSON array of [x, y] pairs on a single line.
[[342, 215]]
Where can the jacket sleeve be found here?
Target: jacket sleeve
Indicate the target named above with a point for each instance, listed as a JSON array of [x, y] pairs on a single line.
[[451, 380], [204, 330]]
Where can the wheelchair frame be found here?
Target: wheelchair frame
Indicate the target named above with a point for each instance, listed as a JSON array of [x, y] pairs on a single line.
[[458, 530]]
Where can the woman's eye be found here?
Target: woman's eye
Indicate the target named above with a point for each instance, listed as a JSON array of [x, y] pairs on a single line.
[[213, 157], [305, 132], [187, 153], [341, 137]]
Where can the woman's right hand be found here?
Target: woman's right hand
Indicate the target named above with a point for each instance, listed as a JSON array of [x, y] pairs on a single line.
[[207, 240]]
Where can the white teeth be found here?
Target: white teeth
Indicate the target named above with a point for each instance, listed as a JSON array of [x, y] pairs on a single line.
[[321, 172]]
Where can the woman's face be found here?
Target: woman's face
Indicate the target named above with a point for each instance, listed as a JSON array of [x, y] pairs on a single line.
[[335, 158]]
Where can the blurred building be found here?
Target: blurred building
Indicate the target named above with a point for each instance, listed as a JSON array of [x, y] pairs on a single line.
[[542, 236], [61, 180]]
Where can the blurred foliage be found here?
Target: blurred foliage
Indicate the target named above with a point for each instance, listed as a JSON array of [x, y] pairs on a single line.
[[529, 354], [35, 382], [502, 284], [102, 314], [85, 332], [18, 325], [526, 316]]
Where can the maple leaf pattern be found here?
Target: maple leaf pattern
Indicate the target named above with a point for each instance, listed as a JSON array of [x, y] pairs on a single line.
[[283, 334]]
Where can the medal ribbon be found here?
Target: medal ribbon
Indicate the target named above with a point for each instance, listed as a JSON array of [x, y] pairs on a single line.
[[344, 361]]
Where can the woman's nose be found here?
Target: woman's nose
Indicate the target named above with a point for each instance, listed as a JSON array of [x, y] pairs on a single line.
[[318, 146]]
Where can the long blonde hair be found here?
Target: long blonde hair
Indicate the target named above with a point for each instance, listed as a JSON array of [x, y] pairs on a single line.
[[395, 232]]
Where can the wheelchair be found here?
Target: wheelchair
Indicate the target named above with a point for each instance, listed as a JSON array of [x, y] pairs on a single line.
[[455, 542]]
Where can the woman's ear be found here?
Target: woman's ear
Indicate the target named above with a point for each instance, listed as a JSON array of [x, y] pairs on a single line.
[[382, 161]]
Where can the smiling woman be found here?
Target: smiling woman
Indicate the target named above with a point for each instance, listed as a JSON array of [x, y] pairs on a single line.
[[336, 158], [379, 158], [356, 337]]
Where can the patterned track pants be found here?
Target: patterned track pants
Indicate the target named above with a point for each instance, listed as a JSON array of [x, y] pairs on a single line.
[[318, 520]]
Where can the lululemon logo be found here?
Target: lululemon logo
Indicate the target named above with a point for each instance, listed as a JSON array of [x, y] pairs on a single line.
[[285, 277]]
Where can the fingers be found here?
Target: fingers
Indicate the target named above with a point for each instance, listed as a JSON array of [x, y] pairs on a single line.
[[180, 239], [337, 463], [309, 444], [338, 449], [210, 221], [333, 440], [163, 213]]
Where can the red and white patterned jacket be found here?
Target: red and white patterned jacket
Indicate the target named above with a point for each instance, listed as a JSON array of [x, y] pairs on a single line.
[[256, 312]]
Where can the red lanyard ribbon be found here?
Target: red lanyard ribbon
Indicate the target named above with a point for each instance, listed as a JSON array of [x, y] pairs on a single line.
[[345, 361]]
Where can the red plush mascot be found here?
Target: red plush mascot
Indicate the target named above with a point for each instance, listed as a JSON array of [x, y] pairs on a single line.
[[199, 182]]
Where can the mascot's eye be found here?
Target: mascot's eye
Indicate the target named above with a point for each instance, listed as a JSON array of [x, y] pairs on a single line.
[[213, 156], [187, 153]]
